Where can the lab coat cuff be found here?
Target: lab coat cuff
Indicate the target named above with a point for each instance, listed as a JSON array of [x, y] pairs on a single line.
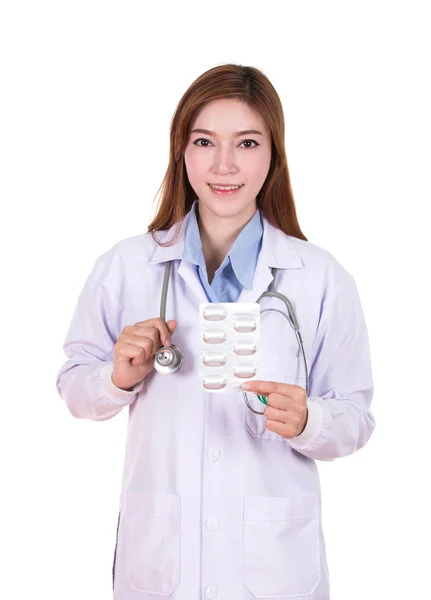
[[111, 390], [313, 427]]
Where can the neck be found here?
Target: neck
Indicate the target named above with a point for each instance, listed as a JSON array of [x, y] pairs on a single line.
[[219, 233]]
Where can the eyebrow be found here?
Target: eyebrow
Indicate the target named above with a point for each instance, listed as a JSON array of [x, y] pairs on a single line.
[[236, 133]]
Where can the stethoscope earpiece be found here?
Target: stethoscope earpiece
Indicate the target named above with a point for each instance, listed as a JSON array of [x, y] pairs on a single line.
[[168, 360]]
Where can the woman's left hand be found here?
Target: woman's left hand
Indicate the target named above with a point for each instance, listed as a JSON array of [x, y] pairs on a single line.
[[287, 411]]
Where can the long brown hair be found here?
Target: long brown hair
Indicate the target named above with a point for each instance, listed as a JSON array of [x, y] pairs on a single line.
[[248, 84]]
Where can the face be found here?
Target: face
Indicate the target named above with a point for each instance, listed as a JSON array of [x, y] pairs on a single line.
[[220, 155]]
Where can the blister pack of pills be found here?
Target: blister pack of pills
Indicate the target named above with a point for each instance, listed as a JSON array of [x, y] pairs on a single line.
[[229, 345]]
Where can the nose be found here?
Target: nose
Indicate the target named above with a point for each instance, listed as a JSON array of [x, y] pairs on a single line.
[[224, 160]]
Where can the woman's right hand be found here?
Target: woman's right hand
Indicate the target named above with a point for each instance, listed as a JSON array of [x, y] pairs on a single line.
[[135, 349]]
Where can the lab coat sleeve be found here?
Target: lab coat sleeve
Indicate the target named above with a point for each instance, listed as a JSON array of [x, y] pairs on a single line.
[[341, 384], [84, 381]]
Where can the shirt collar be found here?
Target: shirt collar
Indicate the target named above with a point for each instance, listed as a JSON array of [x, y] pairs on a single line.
[[242, 254], [278, 249]]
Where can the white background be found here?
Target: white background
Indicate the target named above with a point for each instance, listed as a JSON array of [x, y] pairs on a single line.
[[88, 91]]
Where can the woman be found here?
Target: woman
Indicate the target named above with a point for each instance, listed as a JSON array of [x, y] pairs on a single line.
[[218, 500]]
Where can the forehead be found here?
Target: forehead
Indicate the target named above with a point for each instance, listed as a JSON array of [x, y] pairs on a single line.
[[227, 115]]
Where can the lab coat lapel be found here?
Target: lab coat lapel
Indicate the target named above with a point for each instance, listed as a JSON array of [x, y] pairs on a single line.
[[175, 251], [261, 281], [277, 251], [188, 272]]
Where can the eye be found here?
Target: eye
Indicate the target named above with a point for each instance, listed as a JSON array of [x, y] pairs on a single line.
[[207, 141], [201, 140], [252, 141]]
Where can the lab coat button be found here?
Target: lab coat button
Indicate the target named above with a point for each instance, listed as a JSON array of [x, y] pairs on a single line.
[[213, 454], [212, 524], [210, 592]]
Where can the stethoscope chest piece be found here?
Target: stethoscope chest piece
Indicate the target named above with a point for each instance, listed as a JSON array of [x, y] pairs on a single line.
[[168, 360]]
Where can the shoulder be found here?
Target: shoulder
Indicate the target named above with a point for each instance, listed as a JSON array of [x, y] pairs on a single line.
[[124, 256], [139, 246], [311, 254], [322, 267]]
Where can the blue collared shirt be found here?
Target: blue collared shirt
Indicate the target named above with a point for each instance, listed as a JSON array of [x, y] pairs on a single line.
[[238, 267]]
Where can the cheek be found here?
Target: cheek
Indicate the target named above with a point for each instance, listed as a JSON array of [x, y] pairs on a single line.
[[196, 166], [257, 168]]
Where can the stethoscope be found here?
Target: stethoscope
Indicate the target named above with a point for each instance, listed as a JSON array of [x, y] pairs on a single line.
[[169, 359]]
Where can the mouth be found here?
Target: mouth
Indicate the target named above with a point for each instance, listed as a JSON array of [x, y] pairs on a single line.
[[224, 190]]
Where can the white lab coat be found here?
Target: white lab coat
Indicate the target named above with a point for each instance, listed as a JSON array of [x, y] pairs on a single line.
[[212, 503]]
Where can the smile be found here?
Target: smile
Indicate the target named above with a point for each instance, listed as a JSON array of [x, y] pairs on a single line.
[[225, 187]]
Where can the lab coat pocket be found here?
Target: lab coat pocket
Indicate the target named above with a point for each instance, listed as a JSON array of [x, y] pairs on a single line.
[[281, 546], [153, 542]]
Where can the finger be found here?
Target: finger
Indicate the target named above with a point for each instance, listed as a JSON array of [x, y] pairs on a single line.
[[171, 325], [279, 401], [282, 429], [139, 342], [285, 402], [127, 352], [294, 419], [288, 429], [161, 327], [276, 414], [142, 333], [267, 387]]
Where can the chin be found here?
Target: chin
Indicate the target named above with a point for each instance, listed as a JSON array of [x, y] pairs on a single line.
[[226, 206]]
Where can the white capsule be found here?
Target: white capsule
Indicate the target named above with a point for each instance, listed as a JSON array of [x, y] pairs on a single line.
[[244, 324], [214, 382], [244, 348], [214, 312], [214, 359], [214, 336], [244, 370]]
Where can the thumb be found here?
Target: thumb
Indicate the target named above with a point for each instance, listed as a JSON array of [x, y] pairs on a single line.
[[171, 325]]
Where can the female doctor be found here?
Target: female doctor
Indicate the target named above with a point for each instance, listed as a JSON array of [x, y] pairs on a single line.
[[219, 500]]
